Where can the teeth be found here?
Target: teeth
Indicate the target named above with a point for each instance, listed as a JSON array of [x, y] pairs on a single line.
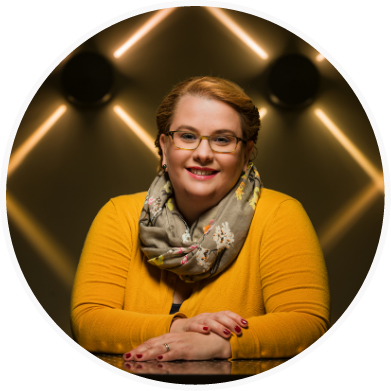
[[199, 172]]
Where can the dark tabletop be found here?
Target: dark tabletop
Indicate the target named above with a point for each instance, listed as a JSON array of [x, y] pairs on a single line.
[[192, 372]]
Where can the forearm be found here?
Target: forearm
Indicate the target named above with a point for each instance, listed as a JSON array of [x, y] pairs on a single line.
[[278, 335], [115, 331]]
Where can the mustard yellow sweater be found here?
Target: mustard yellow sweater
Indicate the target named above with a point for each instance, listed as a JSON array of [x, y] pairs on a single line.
[[278, 283]]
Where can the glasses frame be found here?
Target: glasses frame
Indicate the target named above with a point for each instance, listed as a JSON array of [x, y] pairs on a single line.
[[201, 138]]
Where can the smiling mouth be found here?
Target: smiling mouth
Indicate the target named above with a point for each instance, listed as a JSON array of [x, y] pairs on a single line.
[[201, 172]]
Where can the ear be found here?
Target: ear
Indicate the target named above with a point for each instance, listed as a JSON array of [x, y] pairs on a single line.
[[247, 153], [162, 142]]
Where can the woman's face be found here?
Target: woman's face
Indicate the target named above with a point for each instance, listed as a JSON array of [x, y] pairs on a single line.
[[205, 117]]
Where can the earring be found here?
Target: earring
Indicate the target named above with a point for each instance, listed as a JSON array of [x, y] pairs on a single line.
[[164, 167]]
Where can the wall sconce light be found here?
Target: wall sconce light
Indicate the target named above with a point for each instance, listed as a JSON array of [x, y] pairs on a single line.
[[87, 79], [293, 81]]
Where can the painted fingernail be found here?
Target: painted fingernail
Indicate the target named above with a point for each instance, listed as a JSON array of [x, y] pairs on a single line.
[[160, 366], [128, 366], [225, 331], [244, 321], [159, 357], [139, 355], [139, 366], [128, 355], [238, 329], [205, 328]]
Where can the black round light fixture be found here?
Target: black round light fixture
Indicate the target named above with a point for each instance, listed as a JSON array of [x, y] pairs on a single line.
[[293, 81], [88, 79]]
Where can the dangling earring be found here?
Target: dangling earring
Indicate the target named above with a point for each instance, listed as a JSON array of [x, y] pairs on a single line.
[[164, 167]]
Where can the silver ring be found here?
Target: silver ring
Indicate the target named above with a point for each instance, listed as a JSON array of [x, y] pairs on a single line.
[[167, 347]]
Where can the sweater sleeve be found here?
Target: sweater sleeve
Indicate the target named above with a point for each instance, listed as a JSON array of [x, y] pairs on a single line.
[[99, 322], [295, 289]]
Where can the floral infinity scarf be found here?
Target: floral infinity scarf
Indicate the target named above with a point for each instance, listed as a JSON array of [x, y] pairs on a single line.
[[211, 243]]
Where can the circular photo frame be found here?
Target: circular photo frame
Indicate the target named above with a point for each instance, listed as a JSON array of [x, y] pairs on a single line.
[[88, 136]]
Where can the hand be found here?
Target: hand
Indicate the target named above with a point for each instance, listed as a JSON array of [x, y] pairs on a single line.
[[221, 323], [183, 346]]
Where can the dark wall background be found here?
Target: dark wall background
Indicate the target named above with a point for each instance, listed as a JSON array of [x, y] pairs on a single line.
[[90, 155]]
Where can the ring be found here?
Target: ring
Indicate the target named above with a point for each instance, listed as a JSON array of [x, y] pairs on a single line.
[[167, 347]]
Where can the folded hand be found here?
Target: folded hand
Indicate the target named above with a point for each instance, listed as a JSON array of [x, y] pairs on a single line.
[[221, 323], [183, 346]]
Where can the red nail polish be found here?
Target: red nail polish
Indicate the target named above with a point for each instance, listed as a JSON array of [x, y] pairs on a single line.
[[238, 329], [128, 355], [244, 321], [160, 366], [139, 355], [139, 366], [206, 328], [225, 331], [159, 357]]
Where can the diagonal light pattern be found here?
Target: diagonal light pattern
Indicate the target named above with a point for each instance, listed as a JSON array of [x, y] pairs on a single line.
[[52, 253], [346, 217], [20, 154], [222, 17], [145, 29], [356, 154], [136, 129]]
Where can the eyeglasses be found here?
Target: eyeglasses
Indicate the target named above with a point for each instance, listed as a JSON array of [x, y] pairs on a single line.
[[220, 143]]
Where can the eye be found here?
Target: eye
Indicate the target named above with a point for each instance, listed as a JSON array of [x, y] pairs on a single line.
[[222, 140], [187, 136]]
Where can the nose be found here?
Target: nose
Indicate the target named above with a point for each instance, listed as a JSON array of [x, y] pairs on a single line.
[[203, 153]]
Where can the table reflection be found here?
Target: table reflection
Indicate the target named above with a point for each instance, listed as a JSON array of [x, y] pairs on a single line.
[[213, 367]]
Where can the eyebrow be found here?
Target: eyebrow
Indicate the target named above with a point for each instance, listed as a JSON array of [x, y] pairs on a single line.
[[188, 127]]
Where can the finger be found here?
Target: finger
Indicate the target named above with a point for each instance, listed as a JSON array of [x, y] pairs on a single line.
[[141, 352], [221, 323], [237, 318], [172, 355], [224, 325], [218, 328], [149, 351], [226, 319], [198, 328]]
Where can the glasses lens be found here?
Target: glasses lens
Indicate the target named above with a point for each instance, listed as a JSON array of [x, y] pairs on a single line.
[[218, 142], [223, 143], [186, 140]]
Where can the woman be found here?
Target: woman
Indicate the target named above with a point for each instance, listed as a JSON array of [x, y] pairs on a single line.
[[207, 264]]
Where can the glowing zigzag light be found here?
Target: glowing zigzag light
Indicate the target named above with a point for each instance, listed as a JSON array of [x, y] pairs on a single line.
[[20, 154], [137, 129], [355, 208], [356, 154], [238, 31], [55, 257], [145, 29]]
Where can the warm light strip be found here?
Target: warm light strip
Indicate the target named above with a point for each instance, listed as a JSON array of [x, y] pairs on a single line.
[[357, 155], [20, 154], [319, 57], [235, 29], [345, 218], [145, 29], [262, 112], [55, 257], [137, 129]]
